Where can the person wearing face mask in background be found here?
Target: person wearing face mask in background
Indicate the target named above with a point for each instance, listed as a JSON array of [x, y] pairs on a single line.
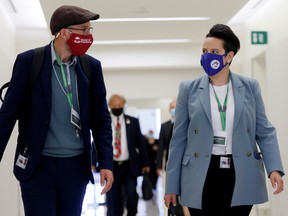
[[130, 159], [222, 138], [52, 159], [164, 139], [152, 147], [163, 152]]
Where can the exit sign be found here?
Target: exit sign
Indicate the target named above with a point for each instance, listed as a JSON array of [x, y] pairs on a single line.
[[259, 37]]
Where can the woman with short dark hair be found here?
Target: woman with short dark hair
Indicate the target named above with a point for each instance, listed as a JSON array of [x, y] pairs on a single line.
[[221, 138]]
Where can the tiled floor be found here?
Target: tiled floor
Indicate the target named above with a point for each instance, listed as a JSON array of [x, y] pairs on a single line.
[[93, 204]]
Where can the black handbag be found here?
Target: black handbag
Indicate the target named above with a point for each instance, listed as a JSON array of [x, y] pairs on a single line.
[[171, 210], [147, 188], [175, 210]]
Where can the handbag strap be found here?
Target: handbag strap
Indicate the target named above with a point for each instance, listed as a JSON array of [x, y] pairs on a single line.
[[171, 211]]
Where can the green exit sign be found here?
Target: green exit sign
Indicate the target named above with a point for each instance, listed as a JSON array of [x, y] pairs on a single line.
[[259, 37]]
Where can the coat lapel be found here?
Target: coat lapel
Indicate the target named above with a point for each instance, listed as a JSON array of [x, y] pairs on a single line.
[[204, 97], [128, 130], [239, 94], [83, 90]]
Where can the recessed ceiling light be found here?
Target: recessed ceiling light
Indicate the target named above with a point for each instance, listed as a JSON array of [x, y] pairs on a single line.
[[153, 19], [142, 41]]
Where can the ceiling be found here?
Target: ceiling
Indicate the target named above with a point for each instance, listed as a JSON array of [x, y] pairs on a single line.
[[28, 14], [187, 35], [192, 30]]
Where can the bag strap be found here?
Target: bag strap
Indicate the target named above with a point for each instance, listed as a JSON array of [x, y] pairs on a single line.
[[1, 90], [171, 210], [36, 64], [86, 66], [37, 61]]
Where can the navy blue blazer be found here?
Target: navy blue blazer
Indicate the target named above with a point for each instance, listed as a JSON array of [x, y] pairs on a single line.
[[138, 156], [32, 109], [163, 143]]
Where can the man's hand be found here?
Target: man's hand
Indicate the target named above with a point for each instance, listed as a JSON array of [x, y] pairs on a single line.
[[106, 178], [277, 182], [159, 172], [93, 168], [145, 169]]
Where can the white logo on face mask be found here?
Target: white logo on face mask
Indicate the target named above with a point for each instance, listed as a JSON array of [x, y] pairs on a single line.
[[82, 40], [215, 64], [77, 40]]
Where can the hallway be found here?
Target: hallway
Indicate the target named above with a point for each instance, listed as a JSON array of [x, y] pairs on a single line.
[[94, 203]]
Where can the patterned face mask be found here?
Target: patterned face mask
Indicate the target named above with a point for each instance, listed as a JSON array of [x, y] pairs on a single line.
[[212, 63]]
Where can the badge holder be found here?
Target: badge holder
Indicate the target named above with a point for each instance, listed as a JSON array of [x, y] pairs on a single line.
[[75, 120], [22, 159], [220, 138], [225, 162]]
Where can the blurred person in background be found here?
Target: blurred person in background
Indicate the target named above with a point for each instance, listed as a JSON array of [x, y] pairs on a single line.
[[130, 160], [152, 148]]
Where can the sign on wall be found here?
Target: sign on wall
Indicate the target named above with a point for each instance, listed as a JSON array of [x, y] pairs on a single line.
[[259, 37]]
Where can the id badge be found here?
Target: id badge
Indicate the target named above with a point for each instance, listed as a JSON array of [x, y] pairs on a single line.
[[75, 119], [225, 162], [220, 138], [22, 161]]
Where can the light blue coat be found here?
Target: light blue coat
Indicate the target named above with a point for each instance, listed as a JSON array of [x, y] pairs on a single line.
[[192, 141]]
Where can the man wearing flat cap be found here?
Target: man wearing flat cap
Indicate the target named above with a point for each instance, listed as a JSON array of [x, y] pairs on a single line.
[[55, 114]]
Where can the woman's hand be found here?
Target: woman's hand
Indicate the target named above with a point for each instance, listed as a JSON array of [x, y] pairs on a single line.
[[168, 198], [277, 182]]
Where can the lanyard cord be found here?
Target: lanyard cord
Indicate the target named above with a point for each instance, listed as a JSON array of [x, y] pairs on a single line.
[[222, 109], [66, 82]]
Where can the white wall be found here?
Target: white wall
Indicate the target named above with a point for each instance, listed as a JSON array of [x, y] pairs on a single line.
[[277, 88], [153, 73], [15, 41], [9, 198], [152, 80], [151, 83], [273, 59]]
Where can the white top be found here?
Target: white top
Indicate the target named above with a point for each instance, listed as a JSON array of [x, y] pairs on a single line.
[[124, 147], [216, 120]]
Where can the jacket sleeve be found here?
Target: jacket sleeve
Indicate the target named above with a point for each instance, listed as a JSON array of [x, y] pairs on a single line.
[[178, 142], [266, 136], [100, 119], [14, 97], [161, 147], [143, 152]]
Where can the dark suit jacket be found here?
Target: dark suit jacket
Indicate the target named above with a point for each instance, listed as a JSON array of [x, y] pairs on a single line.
[[138, 156], [163, 143], [32, 109]]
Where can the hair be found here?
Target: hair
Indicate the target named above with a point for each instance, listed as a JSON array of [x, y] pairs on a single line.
[[224, 32]]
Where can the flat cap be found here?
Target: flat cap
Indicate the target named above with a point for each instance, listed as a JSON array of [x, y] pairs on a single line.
[[67, 15]]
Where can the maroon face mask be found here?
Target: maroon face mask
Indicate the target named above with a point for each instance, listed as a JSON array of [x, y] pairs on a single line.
[[79, 44]]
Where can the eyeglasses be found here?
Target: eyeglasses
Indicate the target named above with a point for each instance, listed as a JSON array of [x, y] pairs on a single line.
[[85, 30]]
